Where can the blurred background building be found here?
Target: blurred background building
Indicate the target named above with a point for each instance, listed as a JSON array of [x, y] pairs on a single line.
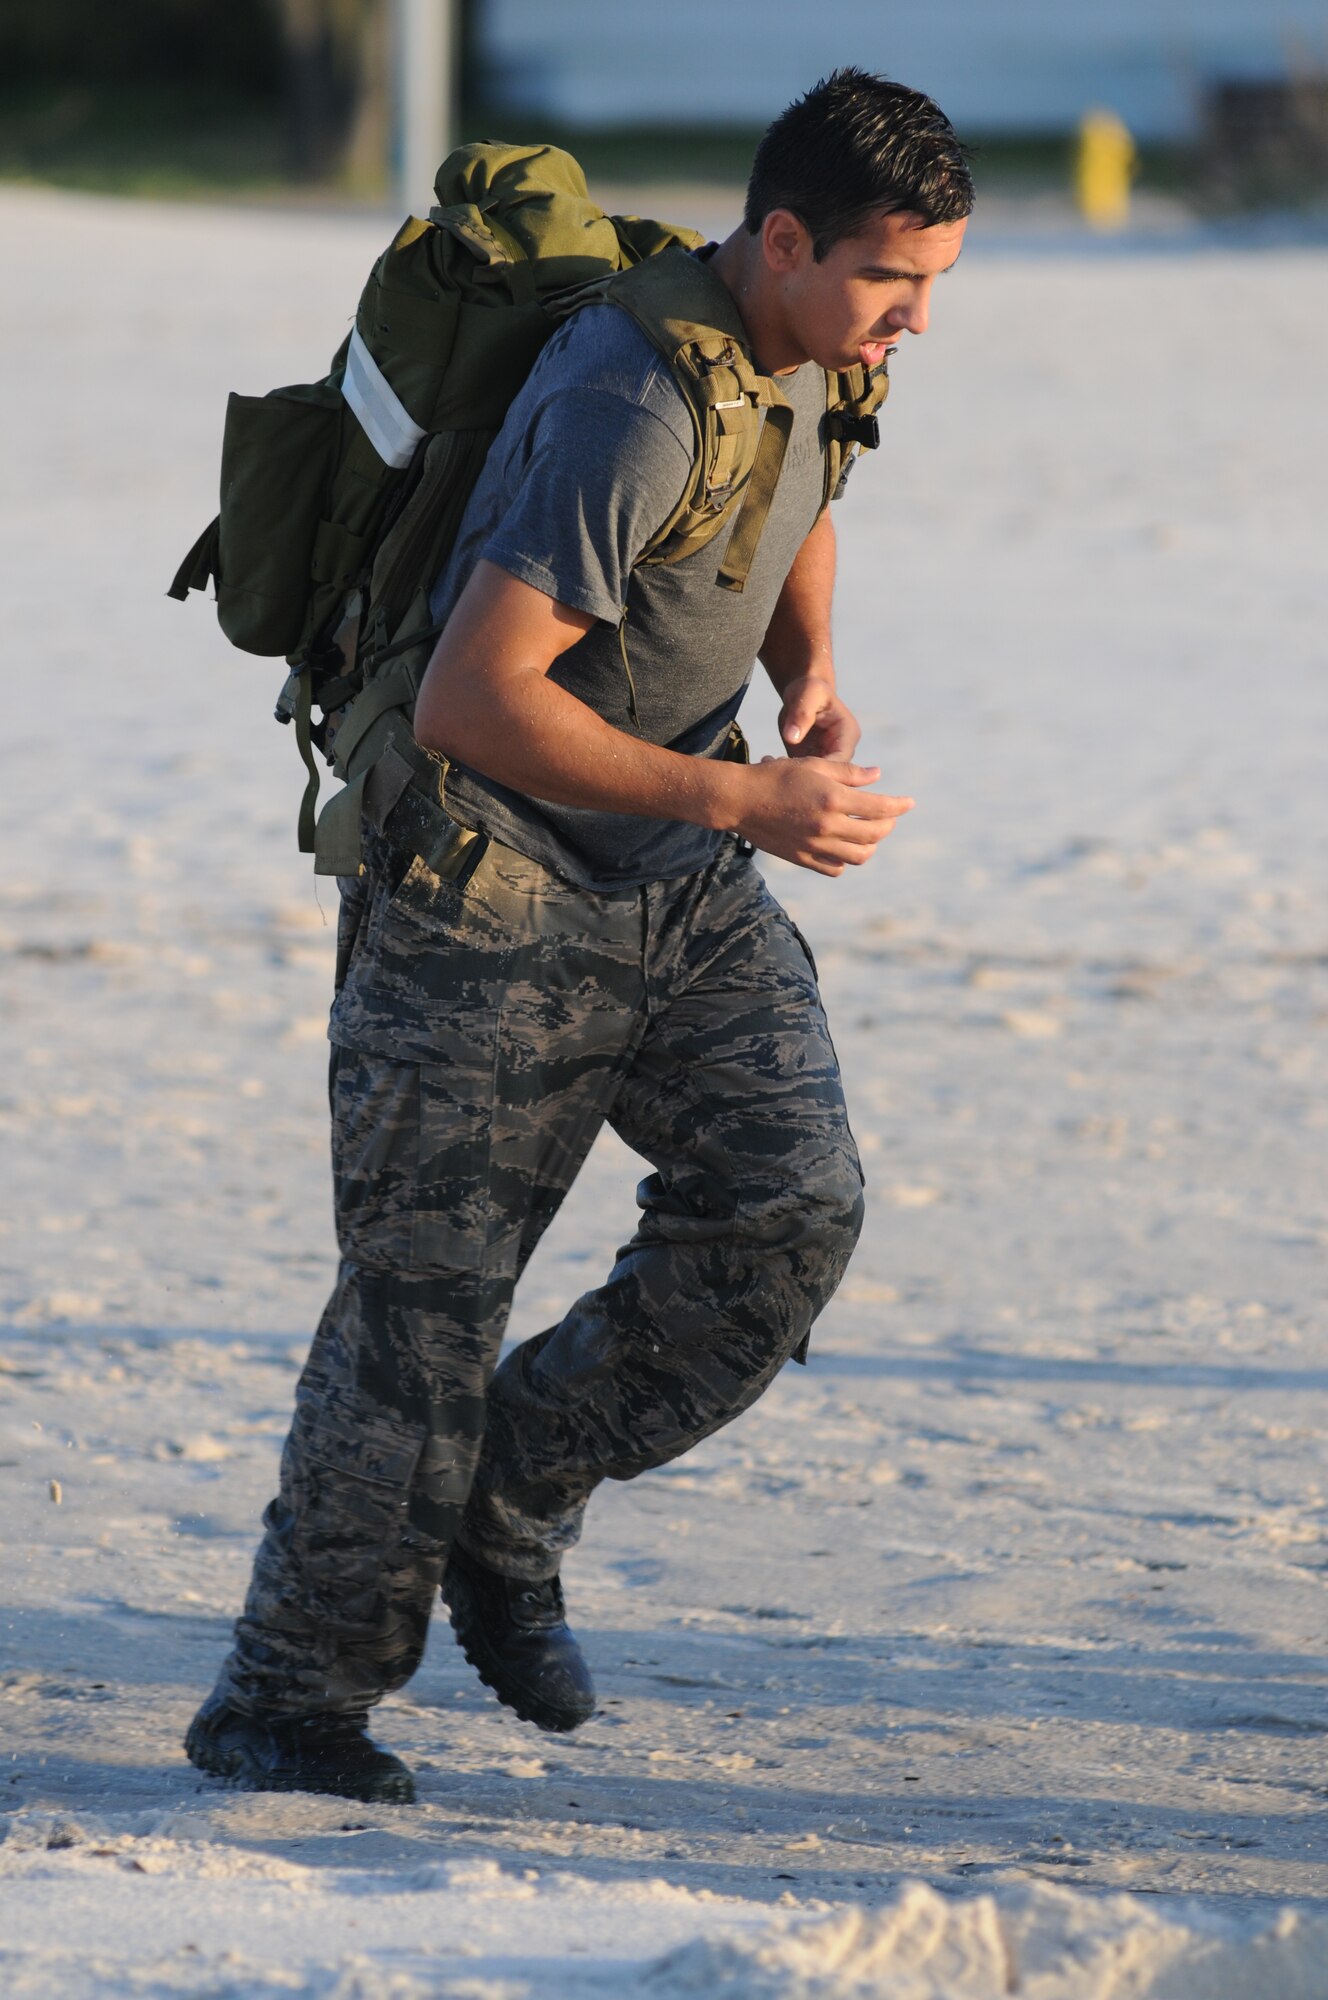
[[1018, 67], [1228, 96]]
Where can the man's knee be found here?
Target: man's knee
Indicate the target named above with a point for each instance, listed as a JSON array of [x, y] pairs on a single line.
[[816, 1227], [838, 1214]]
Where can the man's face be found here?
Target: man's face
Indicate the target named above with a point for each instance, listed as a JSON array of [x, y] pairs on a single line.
[[869, 289]]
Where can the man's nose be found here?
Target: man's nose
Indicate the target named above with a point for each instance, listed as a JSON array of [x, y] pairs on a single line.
[[913, 314]]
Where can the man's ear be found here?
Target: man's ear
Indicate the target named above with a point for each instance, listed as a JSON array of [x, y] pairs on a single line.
[[785, 240]]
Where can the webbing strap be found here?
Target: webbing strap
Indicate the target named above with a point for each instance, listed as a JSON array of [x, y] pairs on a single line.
[[200, 565], [392, 689], [305, 743], [725, 386], [632, 709], [407, 645], [381, 414], [471, 226], [760, 491]]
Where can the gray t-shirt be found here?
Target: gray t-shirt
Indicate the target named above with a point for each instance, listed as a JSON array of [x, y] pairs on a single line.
[[592, 459]]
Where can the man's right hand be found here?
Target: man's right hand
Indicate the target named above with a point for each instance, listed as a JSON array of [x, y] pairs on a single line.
[[816, 813]]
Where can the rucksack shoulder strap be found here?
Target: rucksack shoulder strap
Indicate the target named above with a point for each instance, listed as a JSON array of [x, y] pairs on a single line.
[[742, 420], [677, 299], [852, 398]]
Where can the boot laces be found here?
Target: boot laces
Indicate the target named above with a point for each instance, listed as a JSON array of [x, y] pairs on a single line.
[[540, 1603]]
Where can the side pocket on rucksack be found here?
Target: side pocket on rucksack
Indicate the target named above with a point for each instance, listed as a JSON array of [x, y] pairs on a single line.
[[278, 456]]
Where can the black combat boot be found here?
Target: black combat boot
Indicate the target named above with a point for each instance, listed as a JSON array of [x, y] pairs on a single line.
[[515, 1636], [296, 1753]]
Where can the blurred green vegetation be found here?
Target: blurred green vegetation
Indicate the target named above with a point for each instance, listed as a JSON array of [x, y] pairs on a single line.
[[232, 45], [144, 139], [1010, 164], [194, 96], [1040, 162], [192, 140]]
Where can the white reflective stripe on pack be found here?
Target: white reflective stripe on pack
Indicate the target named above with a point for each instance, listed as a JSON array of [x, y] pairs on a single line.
[[382, 416]]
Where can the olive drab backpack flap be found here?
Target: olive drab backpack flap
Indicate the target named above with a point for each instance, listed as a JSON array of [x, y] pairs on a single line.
[[340, 499]]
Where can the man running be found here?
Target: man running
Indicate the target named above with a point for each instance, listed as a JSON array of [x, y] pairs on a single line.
[[598, 945]]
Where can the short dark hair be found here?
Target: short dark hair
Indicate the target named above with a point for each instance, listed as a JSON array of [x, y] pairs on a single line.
[[857, 146]]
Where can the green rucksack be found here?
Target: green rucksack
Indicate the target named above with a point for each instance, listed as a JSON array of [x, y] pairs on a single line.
[[341, 499]]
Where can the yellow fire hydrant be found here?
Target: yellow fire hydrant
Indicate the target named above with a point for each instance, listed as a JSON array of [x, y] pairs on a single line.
[[1104, 166]]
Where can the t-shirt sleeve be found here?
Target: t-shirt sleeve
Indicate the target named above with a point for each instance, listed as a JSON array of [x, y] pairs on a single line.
[[600, 476]]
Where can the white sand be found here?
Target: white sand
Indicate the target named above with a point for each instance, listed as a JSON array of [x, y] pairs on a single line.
[[1019, 1589]]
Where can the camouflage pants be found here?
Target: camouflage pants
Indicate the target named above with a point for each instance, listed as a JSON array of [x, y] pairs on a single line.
[[484, 1028]]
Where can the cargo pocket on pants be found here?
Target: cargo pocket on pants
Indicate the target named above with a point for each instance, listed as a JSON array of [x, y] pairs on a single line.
[[349, 1470], [375, 1157], [455, 1214], [410, 1158]]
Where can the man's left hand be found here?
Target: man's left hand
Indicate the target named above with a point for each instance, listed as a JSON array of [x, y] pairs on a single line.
[[815, 723]]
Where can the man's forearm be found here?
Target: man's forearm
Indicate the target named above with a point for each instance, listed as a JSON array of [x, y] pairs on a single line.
[[527, 732], [487, 700], [531, 735], [797, 641]]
